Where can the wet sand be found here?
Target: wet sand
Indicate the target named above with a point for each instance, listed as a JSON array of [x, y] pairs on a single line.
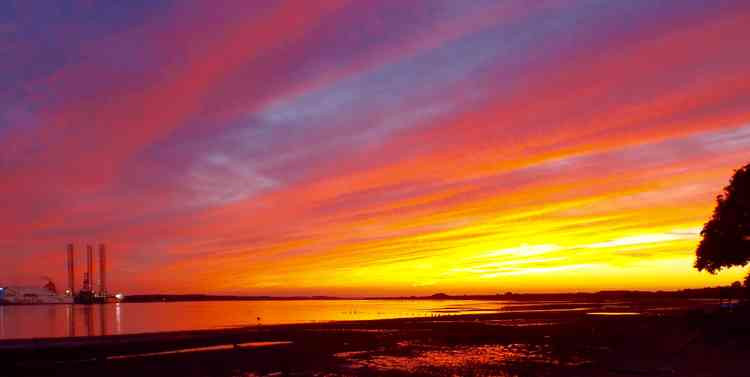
[[666, 339]]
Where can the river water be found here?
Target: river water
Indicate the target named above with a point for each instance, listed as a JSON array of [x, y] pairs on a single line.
[[41, 321]]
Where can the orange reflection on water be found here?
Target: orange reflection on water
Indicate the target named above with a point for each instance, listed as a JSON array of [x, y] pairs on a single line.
[[43, 321]]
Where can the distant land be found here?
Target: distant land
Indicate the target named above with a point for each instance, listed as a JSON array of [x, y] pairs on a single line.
[[695, 293]]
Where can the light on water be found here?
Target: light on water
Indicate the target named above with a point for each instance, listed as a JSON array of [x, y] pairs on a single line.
[[41, 321], [45, 321]]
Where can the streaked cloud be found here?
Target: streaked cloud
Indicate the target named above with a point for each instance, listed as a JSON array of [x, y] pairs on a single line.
[[371, 147]]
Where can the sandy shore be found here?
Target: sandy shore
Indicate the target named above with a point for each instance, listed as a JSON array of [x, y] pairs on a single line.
[[676, 340]]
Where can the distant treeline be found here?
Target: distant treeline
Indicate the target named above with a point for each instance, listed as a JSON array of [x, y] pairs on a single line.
[[698, 293], [200, 297]]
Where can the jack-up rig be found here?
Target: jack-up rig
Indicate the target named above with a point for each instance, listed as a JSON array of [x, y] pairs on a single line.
[[88, 294]]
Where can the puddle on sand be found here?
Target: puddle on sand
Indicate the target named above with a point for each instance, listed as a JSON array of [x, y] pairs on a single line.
[[222, 347], [451, 358], [351, 330], [520, 322]]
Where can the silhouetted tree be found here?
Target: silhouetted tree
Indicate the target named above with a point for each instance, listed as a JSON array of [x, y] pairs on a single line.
[[736, 289], [726, 236]]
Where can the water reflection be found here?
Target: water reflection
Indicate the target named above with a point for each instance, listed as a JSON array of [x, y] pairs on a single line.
[[44, 321], [103, 320], [2, 321], [71, 320], [35, 321], [52, 315], [38, 321], [118, 318], [89, 319]]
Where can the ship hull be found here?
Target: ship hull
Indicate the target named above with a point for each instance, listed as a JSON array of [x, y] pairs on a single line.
[[31, 296], [91, 298]]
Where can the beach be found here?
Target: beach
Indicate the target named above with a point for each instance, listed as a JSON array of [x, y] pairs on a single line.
[[658, 340]]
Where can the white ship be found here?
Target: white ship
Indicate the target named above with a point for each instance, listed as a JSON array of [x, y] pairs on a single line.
[[32, 295]]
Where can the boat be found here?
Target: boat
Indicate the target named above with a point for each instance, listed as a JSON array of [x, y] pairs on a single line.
[[33, 295]]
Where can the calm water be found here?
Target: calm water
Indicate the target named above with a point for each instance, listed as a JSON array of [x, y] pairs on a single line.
[[34, 321]]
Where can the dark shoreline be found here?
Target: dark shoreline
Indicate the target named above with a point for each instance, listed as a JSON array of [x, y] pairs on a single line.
[[694, 293], [687, 341]]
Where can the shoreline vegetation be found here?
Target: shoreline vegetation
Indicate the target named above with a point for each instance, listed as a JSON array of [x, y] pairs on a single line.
[[721, 292], [669, 337]]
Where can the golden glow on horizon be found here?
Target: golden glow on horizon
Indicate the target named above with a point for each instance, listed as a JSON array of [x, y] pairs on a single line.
[[583, 243]]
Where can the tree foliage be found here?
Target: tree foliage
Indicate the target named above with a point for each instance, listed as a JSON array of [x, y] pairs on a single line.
[[726, 236]]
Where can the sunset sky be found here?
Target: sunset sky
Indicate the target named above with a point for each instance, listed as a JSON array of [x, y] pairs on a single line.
[[370, 147]]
